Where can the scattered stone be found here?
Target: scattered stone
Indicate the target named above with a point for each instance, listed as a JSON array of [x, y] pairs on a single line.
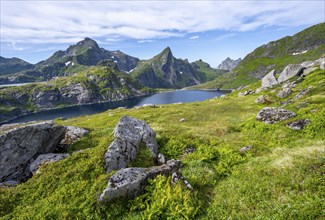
[[272, 115], [298, 96], [176, 176], [45, 159], [269, 80], [72, 135], [290, 71], [284, 93], [110, 114], [261, 89], [130, 182], [19, 146], [129, 133], [9, 183], [247, 92], [298, 125], [223, 96], [243, 150], [263, 99], [149, 105], [189, 149], [182, 120], [161, 159]]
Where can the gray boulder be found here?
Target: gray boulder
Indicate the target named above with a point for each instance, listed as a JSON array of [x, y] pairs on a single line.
[[45, 159], [263, 99], [284, 93], [19, 146], [247, 92], [269, 80], [307, 71], [290, 71], [73, 134], [130, 182], [272, 115], [322, 65], [129, 133], [299, 124]]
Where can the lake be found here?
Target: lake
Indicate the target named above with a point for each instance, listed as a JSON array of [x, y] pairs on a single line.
[[156, 99]]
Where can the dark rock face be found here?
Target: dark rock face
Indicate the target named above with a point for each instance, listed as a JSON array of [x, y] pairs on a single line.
[[298, 125], [130, 182], [229, 64], [272, 115], [129, 133], [19, 146], [165, 71]]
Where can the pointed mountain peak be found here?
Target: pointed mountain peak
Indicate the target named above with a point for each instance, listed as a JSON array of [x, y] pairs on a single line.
[[88, 42], [167, 51]]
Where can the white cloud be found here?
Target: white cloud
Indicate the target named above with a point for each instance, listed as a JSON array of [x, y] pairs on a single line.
[[194, 37], [145, 41], [225, 36], [71, 21], [15, 47]]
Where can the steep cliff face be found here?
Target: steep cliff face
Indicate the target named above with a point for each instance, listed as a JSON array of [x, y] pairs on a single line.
[[93, 85], [165, 71]]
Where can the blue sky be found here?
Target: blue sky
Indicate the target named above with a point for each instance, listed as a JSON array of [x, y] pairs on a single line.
[[207, 30]]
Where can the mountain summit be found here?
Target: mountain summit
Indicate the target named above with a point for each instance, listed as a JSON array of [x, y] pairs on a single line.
[[229, 64], [166, 71]]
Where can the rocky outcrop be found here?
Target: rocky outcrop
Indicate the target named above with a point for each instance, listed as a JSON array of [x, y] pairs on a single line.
[[21, 145], [45, 159], [129, 133], [299, 124], [269, 80], [290, 71], [272, 115], [130, 182], [298, 96], [229, 64]]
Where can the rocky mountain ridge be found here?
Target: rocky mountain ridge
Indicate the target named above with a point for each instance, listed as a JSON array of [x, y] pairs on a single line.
[[74, 59], [229, 64]]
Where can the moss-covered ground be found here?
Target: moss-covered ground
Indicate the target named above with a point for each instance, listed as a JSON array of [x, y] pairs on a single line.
[[281, 177]]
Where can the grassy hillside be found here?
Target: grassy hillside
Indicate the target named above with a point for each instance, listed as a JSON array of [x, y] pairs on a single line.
[[280, 178], [274, 55]]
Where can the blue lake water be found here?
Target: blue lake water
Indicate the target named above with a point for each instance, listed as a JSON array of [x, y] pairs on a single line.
[[156, 99]]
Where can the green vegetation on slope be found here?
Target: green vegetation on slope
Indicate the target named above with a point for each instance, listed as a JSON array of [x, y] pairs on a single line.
[[280, 178], [310, 43]]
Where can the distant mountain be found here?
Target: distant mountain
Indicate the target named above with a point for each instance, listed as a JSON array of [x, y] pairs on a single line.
[[76, 58], [229, 64], [13, 65], [166, 71], [206, 72]]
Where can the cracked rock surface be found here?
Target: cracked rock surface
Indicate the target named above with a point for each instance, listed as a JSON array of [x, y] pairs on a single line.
[[20, 146], [129, 133], [130, 182]]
